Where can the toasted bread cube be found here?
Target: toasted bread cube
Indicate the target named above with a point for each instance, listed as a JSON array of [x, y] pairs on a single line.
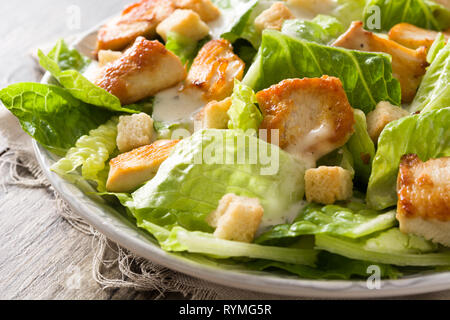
[[134, 131], [423, 190], [107, 56], [138, 19], [204, 8], [383, 113], [129, 170], [327, 185], [312, 115], [274, 17], [236, 218], [143, 70], [214, 115], [184, 22], [214, 70]]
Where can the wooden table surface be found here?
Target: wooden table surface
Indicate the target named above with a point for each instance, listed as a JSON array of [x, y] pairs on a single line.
[[40, 252]]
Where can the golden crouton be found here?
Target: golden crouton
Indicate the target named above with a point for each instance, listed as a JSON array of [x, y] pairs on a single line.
[[383, 113], [423, 190], [274, 17], [414, 37], [138, 19], [408, 65], [143, 70], [214, 70], [129, 170], [313, 116], [134, 131], [107, 56], [184, 22], [204, 8], [236, 218], [327, 185], [214, 115]]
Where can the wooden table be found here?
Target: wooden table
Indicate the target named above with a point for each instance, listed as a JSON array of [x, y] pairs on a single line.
[[39, 251]]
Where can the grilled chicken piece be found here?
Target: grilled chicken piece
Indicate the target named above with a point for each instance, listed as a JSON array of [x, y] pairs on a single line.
[[138, 19], [423, 190], [445, 3], [214, 70], [414, 37], [313, 116], [143, 70], [130, 170], [408, 65]]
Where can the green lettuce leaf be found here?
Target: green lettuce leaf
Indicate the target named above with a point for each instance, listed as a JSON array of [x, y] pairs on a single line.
[[366, 77], [91, 153], [390, 247], [51, 115], [340, 157], [426, 134], [243, 113], [347, 11], [184, 47], [422, 13], [438, 44], [179, 239], [353, 220], [68, 58], [434, 90], [80, 87], [362, 149], [211, 163], [322, 29]]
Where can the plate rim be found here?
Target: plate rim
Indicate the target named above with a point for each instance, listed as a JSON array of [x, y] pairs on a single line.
[[267, 284]]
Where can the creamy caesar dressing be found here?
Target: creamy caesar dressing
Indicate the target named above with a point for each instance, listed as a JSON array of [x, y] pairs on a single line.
[[91, 71], [287, 216]]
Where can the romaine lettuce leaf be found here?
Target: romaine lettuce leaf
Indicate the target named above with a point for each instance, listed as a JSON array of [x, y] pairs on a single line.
[[68, 58], [243, 113], [185, 48], [434, 90], [438, 44], [426, 134], [80, 87], [91, 153], [347, 11], [211, 163], [353, 220], [179, 239], [322, 29], [422, 13], [340, 157], [386, 249], [366, 77], [362, 149], [51, 115]]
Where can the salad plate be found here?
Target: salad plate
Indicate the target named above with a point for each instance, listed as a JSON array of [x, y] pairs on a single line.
[[113, 225]]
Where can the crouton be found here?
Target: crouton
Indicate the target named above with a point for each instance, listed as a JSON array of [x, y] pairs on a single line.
[[184, 22], [214, 70], [313, 116], [214, 115], [408, 65], [138, 19], [143, 70], [236, 218], [134, 131], [204, 8], [130, 170], [383, 113], [327, 185], [274, 17], [423, 190], [414, 37], [107, 56]]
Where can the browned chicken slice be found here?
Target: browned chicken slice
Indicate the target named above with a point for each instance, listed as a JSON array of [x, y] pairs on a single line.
[[423, 190], [214, 70], [130, 170], [138, 19], [313, 116], [414, 37], [408, 65], [143, 70]]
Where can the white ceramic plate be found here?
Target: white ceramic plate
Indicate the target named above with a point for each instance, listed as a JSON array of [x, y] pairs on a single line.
[[109, 222]]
